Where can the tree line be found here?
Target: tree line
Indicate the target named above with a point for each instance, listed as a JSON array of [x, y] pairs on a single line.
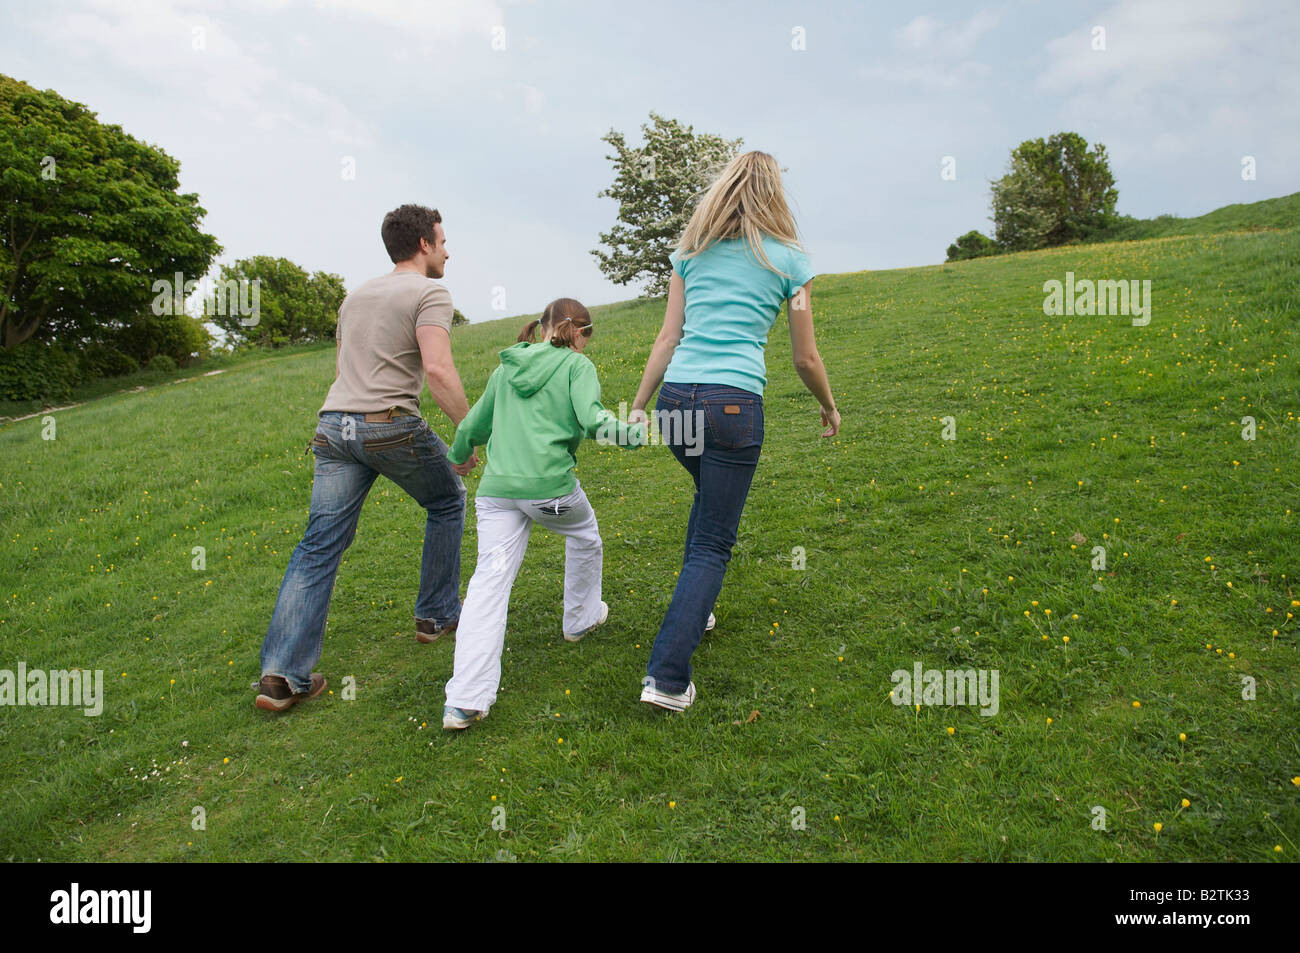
[[103, 260], [101, 257]]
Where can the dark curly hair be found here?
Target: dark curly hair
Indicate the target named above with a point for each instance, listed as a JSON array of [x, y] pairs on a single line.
[[404, 227]]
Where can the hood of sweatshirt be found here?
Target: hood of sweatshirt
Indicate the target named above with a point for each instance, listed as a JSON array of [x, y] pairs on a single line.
[[529, 366]]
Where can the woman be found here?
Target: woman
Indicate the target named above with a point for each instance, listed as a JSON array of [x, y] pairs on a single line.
[[738, 259]]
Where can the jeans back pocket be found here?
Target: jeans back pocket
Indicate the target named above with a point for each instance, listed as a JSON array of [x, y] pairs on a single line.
[[734, 423]]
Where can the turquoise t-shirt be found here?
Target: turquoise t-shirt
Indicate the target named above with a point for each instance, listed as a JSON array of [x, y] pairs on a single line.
[[732, 301]]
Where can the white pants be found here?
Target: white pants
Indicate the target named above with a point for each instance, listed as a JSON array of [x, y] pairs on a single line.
[[503, 527]]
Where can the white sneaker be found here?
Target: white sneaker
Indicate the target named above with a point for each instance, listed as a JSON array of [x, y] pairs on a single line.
[[669, 700], [457, 719], [708, 626], [604, 615]]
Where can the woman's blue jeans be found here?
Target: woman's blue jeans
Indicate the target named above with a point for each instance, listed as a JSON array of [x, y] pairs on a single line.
[[350, 455], [722, 464]]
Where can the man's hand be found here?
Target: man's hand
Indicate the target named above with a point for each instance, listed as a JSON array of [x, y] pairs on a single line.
[[463, 469]]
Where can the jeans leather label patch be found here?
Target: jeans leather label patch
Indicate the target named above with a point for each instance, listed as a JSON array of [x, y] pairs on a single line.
[[731, 408]]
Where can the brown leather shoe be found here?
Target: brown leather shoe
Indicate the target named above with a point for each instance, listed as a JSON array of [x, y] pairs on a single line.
[[426, 631], [274, 693]]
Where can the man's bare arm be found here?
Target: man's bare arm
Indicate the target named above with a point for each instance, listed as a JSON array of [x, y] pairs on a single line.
[[444, 381]]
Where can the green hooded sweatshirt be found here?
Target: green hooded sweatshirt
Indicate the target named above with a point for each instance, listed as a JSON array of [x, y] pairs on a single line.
[[539, 404]]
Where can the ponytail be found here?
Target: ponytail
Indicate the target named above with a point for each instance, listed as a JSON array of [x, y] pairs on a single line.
[[564, 319], [563, 332]]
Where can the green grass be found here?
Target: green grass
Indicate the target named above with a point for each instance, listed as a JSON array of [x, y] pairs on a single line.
[[215, 362], [1278, 213], [918, 549]]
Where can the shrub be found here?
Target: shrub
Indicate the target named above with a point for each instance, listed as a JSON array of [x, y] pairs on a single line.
[[974, 244], [36, 371], [104, 360], [179, 336]]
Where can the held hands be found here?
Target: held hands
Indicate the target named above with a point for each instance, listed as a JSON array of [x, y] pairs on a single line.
[[638, 427], [831, 419], [463, 469]]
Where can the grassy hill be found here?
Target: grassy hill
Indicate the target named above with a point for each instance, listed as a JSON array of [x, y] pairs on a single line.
[[951, 553], [1278, 213]]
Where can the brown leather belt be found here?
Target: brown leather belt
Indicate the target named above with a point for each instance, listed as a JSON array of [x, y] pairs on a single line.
[[383, 416]]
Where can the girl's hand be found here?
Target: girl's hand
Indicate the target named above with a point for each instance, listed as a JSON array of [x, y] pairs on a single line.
[[831, 419], [637, 417], [463, 469]]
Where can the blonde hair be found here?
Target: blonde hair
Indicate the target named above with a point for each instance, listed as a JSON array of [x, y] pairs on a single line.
[[745, 199]]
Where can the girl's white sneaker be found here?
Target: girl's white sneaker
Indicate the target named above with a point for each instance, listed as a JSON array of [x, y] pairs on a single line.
[[457, 719], [604, 615]]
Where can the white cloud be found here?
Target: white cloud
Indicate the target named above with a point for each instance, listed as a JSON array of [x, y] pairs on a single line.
[[919, 32], [933, 56], [1200, 66], [444, 17], [927, 34], [192, 55], [534, 98], [930, 78]]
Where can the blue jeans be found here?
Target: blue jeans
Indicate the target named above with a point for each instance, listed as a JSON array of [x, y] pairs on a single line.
[[732, 438], [350, 454]]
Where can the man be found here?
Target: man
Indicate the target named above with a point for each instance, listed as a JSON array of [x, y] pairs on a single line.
[[393, 333]]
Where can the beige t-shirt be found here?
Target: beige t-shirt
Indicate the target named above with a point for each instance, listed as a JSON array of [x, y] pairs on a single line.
[[379, 357]]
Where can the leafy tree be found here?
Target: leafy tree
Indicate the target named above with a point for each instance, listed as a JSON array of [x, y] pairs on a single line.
[[974, 244], [89, 219], [1055, 191], [457, 318], [272, 302], [656, 185]]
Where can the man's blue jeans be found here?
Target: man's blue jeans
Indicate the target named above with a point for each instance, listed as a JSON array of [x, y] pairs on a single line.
[[350, 454], [732, 421]]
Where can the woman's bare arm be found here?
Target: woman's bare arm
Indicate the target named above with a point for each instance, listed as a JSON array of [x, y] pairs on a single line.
[[807, 361], [662, 350]]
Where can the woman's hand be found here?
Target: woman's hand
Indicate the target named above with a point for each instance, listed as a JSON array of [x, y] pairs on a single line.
[[831, 420]]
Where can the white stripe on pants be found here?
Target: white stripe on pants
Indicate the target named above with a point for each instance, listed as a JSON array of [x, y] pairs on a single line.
[[503, 527]]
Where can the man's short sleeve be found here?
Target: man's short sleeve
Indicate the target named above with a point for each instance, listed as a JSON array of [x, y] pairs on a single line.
[[435, 308], [800, 271]]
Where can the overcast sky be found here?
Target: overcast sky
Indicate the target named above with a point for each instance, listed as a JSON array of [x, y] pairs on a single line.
[[262, 103]]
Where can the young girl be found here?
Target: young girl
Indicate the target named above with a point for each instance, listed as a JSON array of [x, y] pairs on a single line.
[[537, 407], [737, 261]]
